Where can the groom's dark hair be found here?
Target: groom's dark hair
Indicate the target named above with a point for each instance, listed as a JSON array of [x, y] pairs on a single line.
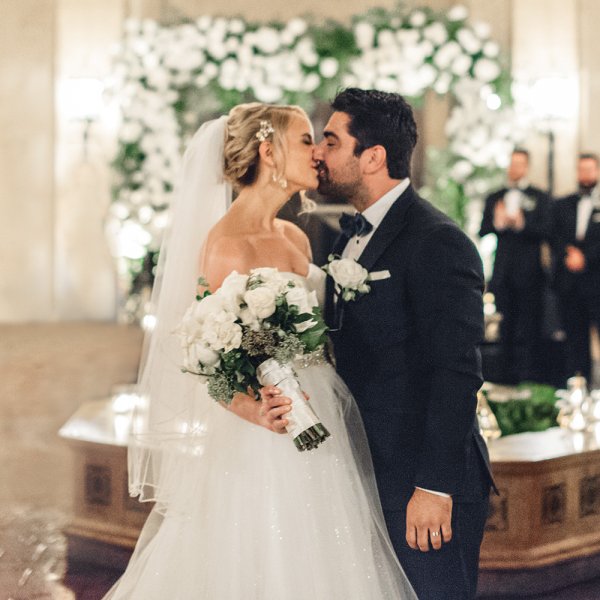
[[380, 119]]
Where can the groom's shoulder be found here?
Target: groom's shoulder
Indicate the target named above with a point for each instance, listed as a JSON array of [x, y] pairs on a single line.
[[427, 217]]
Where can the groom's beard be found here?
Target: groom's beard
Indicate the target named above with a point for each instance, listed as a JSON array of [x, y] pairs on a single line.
[[336, 191], [586, 188]]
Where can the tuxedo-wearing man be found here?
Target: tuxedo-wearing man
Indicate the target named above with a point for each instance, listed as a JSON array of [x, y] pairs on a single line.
[[519, 215], [576, 258], [408, 349]]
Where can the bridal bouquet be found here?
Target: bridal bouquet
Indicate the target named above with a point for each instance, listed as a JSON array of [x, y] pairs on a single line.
[[247, 335]]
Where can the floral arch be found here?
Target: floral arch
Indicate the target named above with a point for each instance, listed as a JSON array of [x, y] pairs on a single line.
[[167, 79]]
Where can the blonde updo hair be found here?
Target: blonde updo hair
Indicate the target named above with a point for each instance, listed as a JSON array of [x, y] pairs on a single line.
[[240, 153]]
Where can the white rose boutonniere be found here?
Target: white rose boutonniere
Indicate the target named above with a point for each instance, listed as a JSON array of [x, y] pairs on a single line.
[[351, 279]]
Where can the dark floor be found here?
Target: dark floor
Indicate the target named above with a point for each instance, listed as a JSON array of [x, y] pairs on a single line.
[[33, 564]]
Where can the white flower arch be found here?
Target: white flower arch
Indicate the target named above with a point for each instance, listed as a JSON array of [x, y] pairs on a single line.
[[167, 78]]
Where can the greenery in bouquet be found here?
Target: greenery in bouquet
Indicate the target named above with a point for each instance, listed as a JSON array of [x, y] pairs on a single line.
[[531, 408], [226, 335]]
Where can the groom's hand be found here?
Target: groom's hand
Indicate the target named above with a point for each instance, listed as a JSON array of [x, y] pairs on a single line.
[[428, 520]]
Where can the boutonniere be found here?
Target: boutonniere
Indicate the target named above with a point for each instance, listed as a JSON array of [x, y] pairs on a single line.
[[529, 203], [351, 278]]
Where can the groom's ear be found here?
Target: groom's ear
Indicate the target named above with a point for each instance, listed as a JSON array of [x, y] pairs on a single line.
[[373, 160]]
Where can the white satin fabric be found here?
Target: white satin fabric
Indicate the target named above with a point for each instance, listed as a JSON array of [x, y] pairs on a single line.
[[254, 519]]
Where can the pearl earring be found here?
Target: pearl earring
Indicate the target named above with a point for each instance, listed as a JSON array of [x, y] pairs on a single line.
[[282, 181]]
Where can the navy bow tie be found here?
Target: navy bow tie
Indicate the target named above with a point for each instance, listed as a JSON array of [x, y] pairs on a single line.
[[354, 225]]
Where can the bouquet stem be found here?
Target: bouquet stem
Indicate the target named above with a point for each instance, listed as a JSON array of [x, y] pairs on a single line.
[[304, 425]]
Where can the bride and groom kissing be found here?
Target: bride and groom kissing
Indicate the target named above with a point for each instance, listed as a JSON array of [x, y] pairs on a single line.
[[398, 496]]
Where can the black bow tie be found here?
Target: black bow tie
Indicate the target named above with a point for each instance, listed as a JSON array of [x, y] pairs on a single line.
[[354, 225]]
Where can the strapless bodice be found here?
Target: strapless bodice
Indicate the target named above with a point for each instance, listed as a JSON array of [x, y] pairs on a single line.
[[314, 280]]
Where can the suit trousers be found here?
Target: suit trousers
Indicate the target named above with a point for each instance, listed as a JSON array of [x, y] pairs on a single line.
[[451, 572], [521, 309], [578, 313]]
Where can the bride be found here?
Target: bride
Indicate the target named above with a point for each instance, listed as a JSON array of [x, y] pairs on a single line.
[[240, 513]]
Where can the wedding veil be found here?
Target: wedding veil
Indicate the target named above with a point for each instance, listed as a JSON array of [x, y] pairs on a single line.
[[167, 422]]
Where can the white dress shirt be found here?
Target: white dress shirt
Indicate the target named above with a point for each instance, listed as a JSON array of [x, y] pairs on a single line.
[[375, 215], [585, 206]]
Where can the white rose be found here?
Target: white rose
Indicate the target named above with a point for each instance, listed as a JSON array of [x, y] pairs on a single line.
[[297, 26], [267, 40], [199, 352], [461, 65], [232, 290], [208, 305], [221, 332], [491, 49], [298, 296], [347, 273], [261, 301]]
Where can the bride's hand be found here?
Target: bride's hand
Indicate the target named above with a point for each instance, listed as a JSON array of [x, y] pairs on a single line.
[[268, 413]]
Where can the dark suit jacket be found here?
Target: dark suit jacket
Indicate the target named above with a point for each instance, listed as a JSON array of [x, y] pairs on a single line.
[[517, 260], [408, 351], [564, 224]]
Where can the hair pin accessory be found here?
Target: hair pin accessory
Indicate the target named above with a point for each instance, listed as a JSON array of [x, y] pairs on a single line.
[[266, 129]]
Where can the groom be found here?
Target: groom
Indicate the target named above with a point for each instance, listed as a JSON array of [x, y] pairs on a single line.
[[408, 349]]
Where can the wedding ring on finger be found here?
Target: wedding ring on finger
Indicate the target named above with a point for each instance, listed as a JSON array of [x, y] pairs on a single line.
[[435, 533]]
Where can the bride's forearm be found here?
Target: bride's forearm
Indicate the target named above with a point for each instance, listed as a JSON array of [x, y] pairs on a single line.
[[245, 407]]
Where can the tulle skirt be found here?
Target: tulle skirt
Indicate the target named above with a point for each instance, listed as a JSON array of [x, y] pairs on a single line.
[[254, 519]]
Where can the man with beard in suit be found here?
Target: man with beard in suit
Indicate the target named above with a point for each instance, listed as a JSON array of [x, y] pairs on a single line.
[[408, 349], [576, 253], [519, 215]]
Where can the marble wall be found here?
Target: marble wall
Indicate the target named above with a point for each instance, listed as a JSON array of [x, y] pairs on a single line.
[[54, 264]]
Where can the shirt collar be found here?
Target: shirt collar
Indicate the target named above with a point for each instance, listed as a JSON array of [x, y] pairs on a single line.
[[522, 184], [377, 211]]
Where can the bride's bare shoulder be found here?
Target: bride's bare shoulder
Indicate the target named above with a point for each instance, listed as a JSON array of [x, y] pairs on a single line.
[[296, 236], [223, 253]]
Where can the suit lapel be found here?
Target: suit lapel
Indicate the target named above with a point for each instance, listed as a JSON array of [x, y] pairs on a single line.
[[393, 222]]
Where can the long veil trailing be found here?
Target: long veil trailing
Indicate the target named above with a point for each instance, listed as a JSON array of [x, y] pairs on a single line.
[[167, 421]]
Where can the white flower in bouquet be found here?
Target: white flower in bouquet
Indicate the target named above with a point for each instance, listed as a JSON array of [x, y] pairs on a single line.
[[426, 74], [458, 12], [221, 332], [233, 289], [386, 38], [261, 301]]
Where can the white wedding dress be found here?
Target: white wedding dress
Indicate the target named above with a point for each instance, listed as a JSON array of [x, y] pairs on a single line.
[[255, 519]]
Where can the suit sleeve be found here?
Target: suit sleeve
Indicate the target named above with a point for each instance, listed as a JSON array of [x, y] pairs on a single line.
[[447, 299], [487, 221], [538, 222]]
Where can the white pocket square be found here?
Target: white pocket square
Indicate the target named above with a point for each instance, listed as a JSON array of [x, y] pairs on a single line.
[[379, 275], [596, 217]]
